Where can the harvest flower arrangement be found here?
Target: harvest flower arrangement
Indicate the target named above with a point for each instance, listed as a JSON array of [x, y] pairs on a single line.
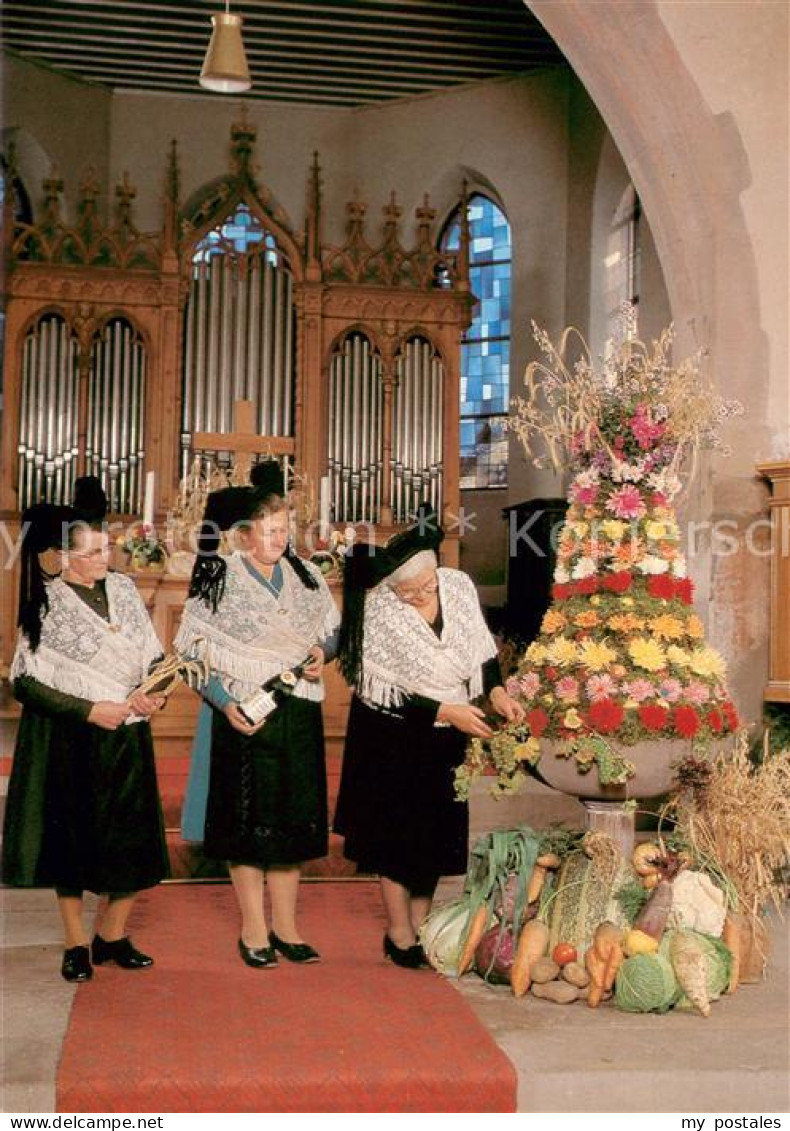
[[621, 656], [145, 550]]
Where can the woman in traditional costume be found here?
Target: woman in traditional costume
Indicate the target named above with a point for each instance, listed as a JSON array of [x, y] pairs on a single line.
[[266, 619], [83, 809], [416, 649]]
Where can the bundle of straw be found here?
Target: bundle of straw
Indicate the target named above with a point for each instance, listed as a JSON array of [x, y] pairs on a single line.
[[737, 824]]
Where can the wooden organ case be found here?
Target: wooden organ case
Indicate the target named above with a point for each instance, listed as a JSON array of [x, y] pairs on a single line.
[[126, 351]]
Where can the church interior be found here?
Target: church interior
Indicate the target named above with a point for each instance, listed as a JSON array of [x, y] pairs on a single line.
[[340, 267]]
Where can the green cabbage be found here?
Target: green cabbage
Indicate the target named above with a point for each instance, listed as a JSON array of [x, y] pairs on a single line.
[[646, 983]]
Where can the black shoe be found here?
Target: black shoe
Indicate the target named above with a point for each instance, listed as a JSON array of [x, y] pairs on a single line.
[[76, 964], [121, 952], [260, 957], [294, 952], [408, 956]]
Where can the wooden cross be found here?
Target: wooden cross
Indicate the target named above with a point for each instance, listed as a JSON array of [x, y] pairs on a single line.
[[243, 441]]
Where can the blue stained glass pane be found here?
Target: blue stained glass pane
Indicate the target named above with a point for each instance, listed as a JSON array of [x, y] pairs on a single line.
[[241, 231]]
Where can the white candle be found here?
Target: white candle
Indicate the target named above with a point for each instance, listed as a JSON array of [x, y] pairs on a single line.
[[323, 509], [148, 504]]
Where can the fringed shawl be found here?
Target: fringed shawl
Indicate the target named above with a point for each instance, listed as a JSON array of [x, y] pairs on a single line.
[[254, 633], [84, 655], [402, 655]]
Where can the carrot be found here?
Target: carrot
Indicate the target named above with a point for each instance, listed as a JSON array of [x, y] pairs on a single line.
[[731, 937], [543, 865], [476, 931], [532, 945], [613, 963], [596, 968], [607, 935]]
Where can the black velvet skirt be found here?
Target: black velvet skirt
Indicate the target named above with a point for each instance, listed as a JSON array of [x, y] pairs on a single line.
[[396, 806], [83, 808], [267, 792]]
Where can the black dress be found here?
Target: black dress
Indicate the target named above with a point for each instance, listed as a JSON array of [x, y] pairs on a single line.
[[396, 804], [83, 809]]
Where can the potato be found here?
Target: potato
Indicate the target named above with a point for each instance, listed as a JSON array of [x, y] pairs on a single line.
[[544, 970], [561, 993], [575, 973]]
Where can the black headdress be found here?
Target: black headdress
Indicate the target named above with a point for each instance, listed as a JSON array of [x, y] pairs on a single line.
[[267, 480], [89, 499], [366, 565], [44, 527], [223, 509]]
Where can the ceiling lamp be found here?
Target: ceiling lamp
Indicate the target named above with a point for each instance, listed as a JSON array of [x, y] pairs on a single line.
[[225, 67]]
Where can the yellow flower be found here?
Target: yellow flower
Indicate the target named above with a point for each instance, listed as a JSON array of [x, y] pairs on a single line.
[[694, 627], [661, 531], [572, 720], [667, 627], [528, 751], [588, 619], [596, 656], [613, 529], [562, 652], [596, 600], [630, 703], [579, 528], [625, 622], [627, 601], [548, 699], [708, 662], [678, 656], [647, 654], [536, 653], [553, 621]]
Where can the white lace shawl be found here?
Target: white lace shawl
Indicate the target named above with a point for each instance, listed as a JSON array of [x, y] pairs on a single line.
[[402, 655], [256, 634], [84, 655]]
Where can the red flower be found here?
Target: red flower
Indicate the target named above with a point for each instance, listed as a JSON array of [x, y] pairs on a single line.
[[684, 588], [715, 720], [730, 715], [658, 500], [586, 586], [551, 673], [661, 585], [653, 716], [537, 721], [618, 582], [685, 721], [561, 592], [605, 716]]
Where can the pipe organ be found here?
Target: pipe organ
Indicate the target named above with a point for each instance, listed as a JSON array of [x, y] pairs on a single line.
[[124, 350]]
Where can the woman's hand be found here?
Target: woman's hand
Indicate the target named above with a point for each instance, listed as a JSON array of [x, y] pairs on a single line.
[[145, 705], [316, 665], [238, 722], [466, 718], [108, 716], [507, 706]]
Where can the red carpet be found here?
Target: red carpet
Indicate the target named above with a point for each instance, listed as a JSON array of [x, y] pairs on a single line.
[[202, 1032]]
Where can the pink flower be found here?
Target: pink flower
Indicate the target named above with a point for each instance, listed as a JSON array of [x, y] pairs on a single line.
[[639, 689], [643, 428], [697, 693], [626, 502], [567, 689], [600, 687], [671, 690], [527, 686], [585, 496]]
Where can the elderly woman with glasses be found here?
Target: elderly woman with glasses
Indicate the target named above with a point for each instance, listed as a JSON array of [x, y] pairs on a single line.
[[416, 649]]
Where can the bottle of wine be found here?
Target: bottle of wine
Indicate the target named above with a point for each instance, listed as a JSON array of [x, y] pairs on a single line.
[[268, 698]]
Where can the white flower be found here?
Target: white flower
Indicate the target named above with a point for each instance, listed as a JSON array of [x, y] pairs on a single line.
[[679, 566], [589, 478], [561, 575], [623, 472], [652, 564], [585, 567], [665, 482]]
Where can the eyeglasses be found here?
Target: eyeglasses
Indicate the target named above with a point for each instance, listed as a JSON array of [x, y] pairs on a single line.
[[90, 555], [413, 593]]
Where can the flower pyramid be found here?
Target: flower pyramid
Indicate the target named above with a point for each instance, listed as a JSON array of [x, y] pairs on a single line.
[[621, 656]]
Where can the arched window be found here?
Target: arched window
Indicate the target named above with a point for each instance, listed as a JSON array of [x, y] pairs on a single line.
[[485, 360], [622, 262]]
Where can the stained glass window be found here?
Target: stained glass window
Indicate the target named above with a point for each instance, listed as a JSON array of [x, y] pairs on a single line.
[[240, 232], [623, 259], [485, 354]]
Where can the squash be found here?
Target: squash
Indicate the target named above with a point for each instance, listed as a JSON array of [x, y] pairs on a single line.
[[584, 898]]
